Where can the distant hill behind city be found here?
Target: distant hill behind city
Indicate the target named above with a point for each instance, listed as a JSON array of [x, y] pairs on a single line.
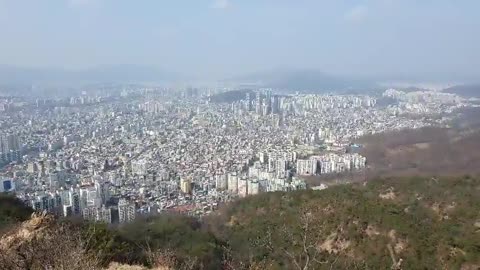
[[305, 81], [468, 91], [289, 80], [426, 151], [114, 73]]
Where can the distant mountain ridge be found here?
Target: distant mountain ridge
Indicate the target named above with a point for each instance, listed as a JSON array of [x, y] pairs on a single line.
[[468, 91], [304, 80], [116, 73]]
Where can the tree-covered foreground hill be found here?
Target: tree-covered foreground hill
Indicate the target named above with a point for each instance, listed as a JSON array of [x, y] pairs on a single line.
[[414, 223], [401, 223]]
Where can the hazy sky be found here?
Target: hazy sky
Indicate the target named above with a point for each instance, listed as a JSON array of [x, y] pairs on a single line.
[[226, 37]]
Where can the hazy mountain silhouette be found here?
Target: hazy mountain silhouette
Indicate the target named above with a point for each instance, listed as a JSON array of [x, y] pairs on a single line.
[[304, 80], [468, 91], [117, 73]]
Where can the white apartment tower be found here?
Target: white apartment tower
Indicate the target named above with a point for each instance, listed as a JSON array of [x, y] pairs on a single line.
[[126, 211]]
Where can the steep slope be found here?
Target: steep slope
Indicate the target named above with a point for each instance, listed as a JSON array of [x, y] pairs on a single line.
[[395, 223], [42, 243], [415, 223]]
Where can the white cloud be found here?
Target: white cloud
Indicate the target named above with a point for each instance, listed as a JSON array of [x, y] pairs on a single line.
[[356, 14], [221, 4]]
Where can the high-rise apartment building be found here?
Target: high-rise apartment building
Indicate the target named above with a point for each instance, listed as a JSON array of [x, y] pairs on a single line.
[[307, 167], [126, 211], [104, 215], [9, 148]]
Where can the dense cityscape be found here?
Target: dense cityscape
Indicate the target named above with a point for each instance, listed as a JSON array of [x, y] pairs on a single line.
[[115, 155], [239, 135]]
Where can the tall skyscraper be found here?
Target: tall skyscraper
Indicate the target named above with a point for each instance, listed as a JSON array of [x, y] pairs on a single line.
[[9, 147], [248, 102], [258, 103]]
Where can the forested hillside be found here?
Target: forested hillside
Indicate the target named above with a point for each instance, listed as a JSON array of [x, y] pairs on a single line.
[[396, 223], [414, 223]]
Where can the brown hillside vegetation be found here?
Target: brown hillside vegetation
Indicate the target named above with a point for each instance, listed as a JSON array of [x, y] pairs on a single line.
[[42, 243], [396, 223], [400, 223], [426, 151]]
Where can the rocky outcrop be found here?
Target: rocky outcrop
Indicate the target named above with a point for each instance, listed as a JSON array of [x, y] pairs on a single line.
[[43, 243], [34, 228]]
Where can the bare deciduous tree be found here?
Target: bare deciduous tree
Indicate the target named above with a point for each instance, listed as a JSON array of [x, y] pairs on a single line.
[[396, 264], [302, 244], [167, 259]]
